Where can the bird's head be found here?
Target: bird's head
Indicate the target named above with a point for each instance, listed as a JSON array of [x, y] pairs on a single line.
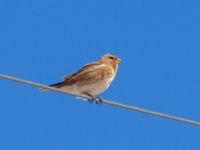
[[110, 59]]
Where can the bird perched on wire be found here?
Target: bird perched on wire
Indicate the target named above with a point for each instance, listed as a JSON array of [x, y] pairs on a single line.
[[92, 79]]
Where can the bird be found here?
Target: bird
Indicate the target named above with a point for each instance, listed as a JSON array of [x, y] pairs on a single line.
[[92, 79]]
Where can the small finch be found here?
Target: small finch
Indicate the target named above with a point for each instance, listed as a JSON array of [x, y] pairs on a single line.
[[92, 79]]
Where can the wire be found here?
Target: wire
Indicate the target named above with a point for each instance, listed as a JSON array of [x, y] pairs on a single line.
[[138, 109]]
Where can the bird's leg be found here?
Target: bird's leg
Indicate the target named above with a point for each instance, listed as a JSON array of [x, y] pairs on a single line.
[[98, 100], [92, 98]]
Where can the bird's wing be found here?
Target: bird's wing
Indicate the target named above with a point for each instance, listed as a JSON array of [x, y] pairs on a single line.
[[88, 74]]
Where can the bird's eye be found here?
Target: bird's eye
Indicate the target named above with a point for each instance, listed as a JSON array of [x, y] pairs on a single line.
[[111, 57]]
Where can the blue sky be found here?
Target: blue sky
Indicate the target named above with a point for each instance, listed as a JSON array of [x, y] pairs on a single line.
[[43, 40]]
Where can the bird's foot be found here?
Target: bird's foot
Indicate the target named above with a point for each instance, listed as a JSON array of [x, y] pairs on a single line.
[[99, 100], [92, 99]]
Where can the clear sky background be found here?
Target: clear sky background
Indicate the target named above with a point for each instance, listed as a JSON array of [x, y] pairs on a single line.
[[158, 42]]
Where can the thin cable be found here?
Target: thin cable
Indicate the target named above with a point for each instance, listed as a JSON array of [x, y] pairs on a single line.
[[179, 119]]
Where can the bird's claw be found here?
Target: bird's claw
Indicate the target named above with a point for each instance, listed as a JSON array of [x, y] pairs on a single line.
[[92, 99], [99, 100]]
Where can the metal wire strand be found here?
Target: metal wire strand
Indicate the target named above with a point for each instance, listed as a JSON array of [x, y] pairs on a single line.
[[104, 101]]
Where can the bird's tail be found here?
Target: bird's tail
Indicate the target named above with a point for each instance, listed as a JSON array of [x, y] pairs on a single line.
[[56, 85]]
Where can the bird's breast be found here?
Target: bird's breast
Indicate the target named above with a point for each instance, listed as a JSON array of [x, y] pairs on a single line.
[[95, 88]]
